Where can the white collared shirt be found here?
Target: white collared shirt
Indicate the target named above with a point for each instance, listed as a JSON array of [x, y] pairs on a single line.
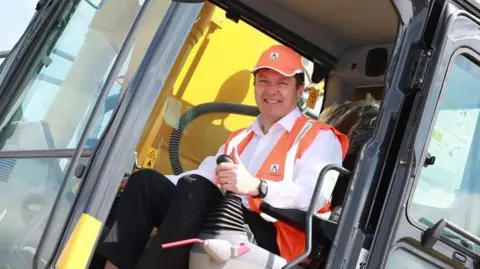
[[295, 193]]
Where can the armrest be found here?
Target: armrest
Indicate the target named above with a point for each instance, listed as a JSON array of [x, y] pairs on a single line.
[[294, 217], [322, 228], [314, 226]]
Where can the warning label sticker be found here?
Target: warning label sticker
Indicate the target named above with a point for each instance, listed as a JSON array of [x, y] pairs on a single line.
[[149, 162]]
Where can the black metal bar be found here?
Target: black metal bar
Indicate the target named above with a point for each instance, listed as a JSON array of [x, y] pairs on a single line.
[[312, 210], [55, 153], [123, 53]]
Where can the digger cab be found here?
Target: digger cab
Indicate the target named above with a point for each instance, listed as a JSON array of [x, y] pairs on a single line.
[[96, 89]]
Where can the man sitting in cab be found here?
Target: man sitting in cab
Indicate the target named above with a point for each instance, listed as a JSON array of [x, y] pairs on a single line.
[[277, 159]]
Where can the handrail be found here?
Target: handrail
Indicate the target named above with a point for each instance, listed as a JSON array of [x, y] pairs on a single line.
[[433, 234], [42, 153], [312, 210]]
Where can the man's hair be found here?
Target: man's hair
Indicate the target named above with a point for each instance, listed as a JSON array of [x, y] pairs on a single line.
[[299, 79]]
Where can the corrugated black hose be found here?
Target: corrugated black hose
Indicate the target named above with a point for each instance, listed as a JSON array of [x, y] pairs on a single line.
[[195, 112]]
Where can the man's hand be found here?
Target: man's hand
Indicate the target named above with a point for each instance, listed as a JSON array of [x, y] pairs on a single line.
[[235, 177]]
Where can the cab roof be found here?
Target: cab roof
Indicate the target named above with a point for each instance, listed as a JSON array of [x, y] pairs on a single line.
[[323, 30], [332, 26]]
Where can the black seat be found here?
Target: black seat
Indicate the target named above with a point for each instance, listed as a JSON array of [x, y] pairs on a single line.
[[357, 120]]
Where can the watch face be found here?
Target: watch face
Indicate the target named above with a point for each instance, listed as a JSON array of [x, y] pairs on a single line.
[[263, 188]]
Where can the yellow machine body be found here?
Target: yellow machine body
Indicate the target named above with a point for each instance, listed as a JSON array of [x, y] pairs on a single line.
[[214, 66]]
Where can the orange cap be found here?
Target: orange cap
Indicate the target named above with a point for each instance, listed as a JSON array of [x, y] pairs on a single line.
[[281, 59]]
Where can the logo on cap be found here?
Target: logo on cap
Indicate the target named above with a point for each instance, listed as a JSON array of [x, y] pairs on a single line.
[[274, 55]]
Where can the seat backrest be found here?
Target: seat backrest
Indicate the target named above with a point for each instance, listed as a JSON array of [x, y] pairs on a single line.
[[357, 120]]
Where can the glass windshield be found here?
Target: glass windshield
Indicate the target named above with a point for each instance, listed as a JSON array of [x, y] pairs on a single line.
[[49, 112], [450, 187]]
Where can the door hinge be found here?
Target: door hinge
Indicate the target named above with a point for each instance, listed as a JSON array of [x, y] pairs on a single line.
[[420, 68]]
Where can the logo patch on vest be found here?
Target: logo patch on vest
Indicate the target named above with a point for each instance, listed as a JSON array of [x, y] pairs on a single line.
[[274, 168]]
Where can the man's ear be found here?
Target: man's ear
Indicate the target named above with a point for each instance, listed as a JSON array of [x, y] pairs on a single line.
[[300, 90], [254, 75]]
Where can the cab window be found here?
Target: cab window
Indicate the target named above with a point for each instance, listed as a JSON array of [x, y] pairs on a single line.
[[44, 121], [14, 19], [449, 188]]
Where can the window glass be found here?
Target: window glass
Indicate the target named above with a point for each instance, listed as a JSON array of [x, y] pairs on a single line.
[[26, 198], [450, 187], [61, 95], [50, 112], [14, 18]]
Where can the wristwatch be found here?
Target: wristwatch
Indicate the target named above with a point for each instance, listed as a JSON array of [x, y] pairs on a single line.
[[262, 189]]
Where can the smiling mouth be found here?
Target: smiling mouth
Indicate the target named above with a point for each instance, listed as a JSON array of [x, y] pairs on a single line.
[[269, 101]]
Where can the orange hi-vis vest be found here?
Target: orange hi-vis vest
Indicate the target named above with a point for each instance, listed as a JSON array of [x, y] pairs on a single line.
[[289, 148]]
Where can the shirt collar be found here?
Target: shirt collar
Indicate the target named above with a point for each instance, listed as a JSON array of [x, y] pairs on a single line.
[[286, 123]]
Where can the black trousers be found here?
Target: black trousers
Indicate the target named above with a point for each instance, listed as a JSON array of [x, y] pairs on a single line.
[[152, 200]]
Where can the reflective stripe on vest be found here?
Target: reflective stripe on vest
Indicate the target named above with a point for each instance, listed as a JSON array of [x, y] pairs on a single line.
[[279, 165]]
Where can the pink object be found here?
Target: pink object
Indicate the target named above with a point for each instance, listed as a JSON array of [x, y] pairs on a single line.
[[242, 249], [183, 242], [219, 250]]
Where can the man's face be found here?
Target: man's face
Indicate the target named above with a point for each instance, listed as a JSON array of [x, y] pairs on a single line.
[[276, 95]]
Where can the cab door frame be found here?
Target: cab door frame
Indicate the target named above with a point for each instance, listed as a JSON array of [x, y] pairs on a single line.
[[372, 176], [101, 178], [394, 227]]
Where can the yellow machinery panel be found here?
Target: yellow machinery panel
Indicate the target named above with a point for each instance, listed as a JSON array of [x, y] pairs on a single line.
[[214, 66], [81, 243]]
